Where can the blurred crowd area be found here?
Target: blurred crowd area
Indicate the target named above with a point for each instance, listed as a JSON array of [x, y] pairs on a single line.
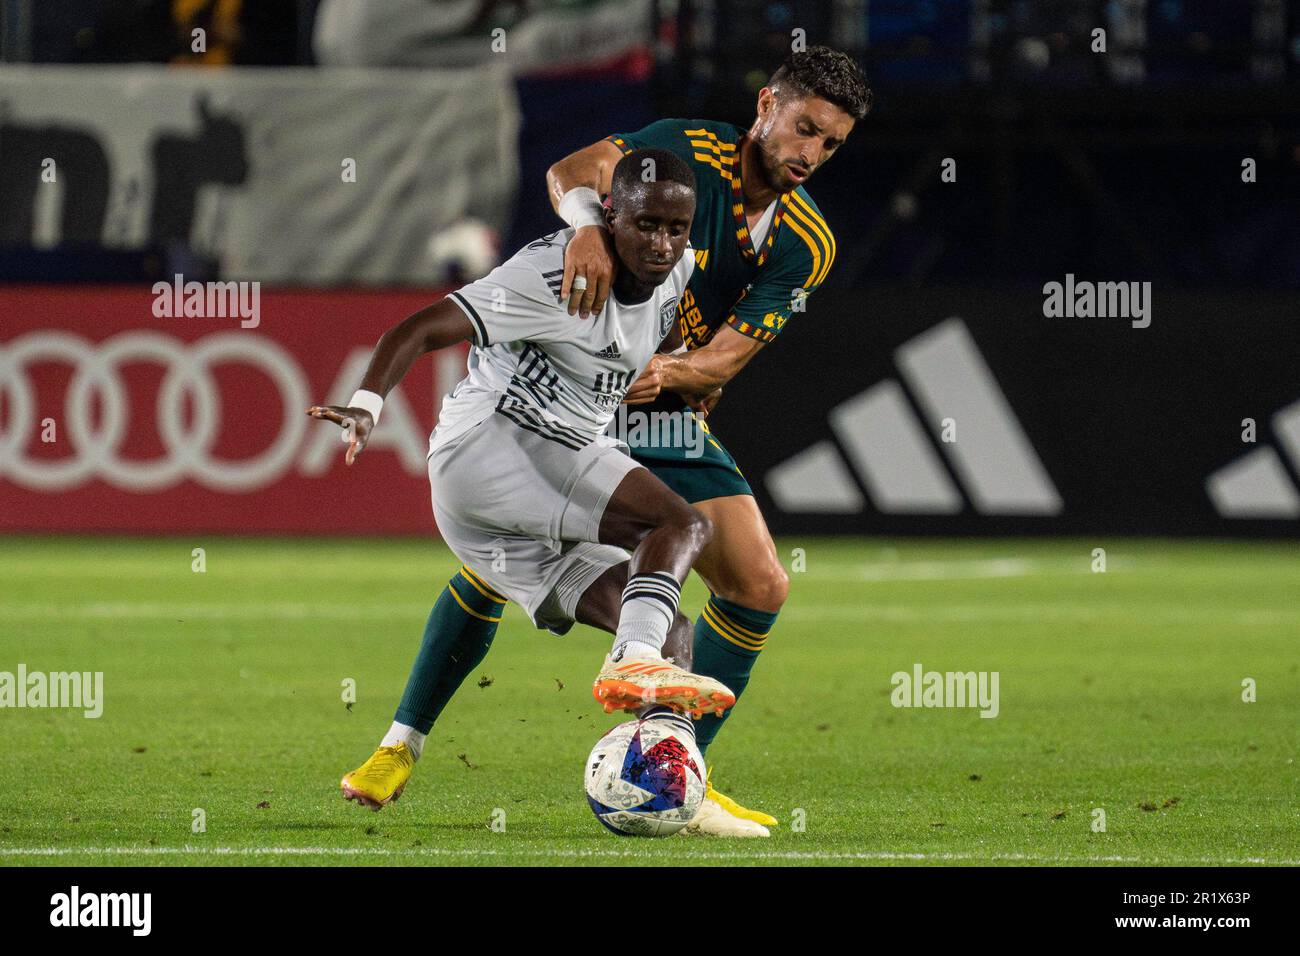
[[698, 43], [1126, 163]]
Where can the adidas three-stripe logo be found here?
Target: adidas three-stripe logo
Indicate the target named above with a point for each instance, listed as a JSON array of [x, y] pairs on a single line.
[[643, 668], [1256, 485], [554, 282], [610, 351], [890, 449]]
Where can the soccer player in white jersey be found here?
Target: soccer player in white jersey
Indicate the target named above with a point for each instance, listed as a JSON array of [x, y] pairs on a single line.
[[519, 465]]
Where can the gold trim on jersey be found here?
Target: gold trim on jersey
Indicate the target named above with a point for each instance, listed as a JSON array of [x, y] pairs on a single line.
[[706, 158], [753, 331], [814, 246], [716, 148], [801, 209], [713, 138]]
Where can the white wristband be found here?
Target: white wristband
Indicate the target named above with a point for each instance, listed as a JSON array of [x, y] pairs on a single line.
[[581, 206], [370, 401]]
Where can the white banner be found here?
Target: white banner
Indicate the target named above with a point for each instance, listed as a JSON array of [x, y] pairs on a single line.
[[542, 36], [288, 176]]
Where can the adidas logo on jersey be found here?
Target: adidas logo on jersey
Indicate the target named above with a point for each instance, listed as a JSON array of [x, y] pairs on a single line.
[[610, 351]]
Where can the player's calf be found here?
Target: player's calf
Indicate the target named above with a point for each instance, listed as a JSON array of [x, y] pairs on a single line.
[[601, 603], [667, 536], [636, 673], [634, 683]]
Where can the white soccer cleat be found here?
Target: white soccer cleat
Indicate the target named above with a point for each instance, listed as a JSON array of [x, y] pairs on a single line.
[[638, 682], [712, 820]]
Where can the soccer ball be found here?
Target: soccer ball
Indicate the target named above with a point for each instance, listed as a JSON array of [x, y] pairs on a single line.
[[462, 252], [646, 777]]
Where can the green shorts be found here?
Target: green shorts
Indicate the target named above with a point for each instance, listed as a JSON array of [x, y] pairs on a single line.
[[697, 469]]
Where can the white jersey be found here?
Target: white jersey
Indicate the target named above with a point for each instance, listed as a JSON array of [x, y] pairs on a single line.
[[531, 358]]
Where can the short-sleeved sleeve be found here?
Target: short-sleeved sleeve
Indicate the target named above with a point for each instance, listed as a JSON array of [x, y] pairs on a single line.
[[512, 303], [782, 287], [763, 311]]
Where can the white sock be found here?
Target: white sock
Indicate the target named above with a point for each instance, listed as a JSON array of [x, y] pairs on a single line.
[[402, 734], [649, 606], [668, 715], [624, 649]]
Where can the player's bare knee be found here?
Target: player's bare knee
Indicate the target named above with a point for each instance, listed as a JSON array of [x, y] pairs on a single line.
[[778, 589], [698, 526], [764, 590], [690, 524]]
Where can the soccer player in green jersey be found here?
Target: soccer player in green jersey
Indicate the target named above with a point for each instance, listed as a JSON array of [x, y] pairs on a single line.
[[761, 248]]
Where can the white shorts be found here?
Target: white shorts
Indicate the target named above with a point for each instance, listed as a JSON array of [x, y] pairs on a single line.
[[521, 505]]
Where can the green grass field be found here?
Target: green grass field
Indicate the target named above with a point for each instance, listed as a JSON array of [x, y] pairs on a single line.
[[1120, 691]]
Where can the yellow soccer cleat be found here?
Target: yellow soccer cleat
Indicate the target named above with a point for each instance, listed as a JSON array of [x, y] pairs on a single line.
[[721, 816], [381, 779], [735, 809], [637, 682], [711, 820]]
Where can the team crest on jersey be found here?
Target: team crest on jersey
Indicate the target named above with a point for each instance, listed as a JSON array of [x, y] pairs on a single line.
[[667, 315]]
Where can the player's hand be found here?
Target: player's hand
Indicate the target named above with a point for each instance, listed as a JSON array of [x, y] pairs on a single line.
[[701, 405], [589, 256], [355, 422], [647, 386]]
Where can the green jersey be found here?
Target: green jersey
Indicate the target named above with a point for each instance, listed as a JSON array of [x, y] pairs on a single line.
[[752, 289]]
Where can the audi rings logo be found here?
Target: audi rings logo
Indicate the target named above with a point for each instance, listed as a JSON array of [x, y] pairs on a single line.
[[188, 448]]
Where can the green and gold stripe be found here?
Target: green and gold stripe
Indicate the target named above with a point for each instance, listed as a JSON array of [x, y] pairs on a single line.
[[730, 630]]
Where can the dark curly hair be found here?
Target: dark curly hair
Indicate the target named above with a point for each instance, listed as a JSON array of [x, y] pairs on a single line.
[[830, 74]]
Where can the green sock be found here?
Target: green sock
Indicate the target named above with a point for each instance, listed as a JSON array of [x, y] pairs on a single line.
[[456, 638], [728, 638]]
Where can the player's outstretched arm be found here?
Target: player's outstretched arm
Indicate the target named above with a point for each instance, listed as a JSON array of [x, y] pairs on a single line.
[[697, 375], [649, 383], [434, 327], [575, 185]]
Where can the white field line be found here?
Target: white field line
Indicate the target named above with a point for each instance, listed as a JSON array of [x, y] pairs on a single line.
[[629, 854], [841, 611]]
